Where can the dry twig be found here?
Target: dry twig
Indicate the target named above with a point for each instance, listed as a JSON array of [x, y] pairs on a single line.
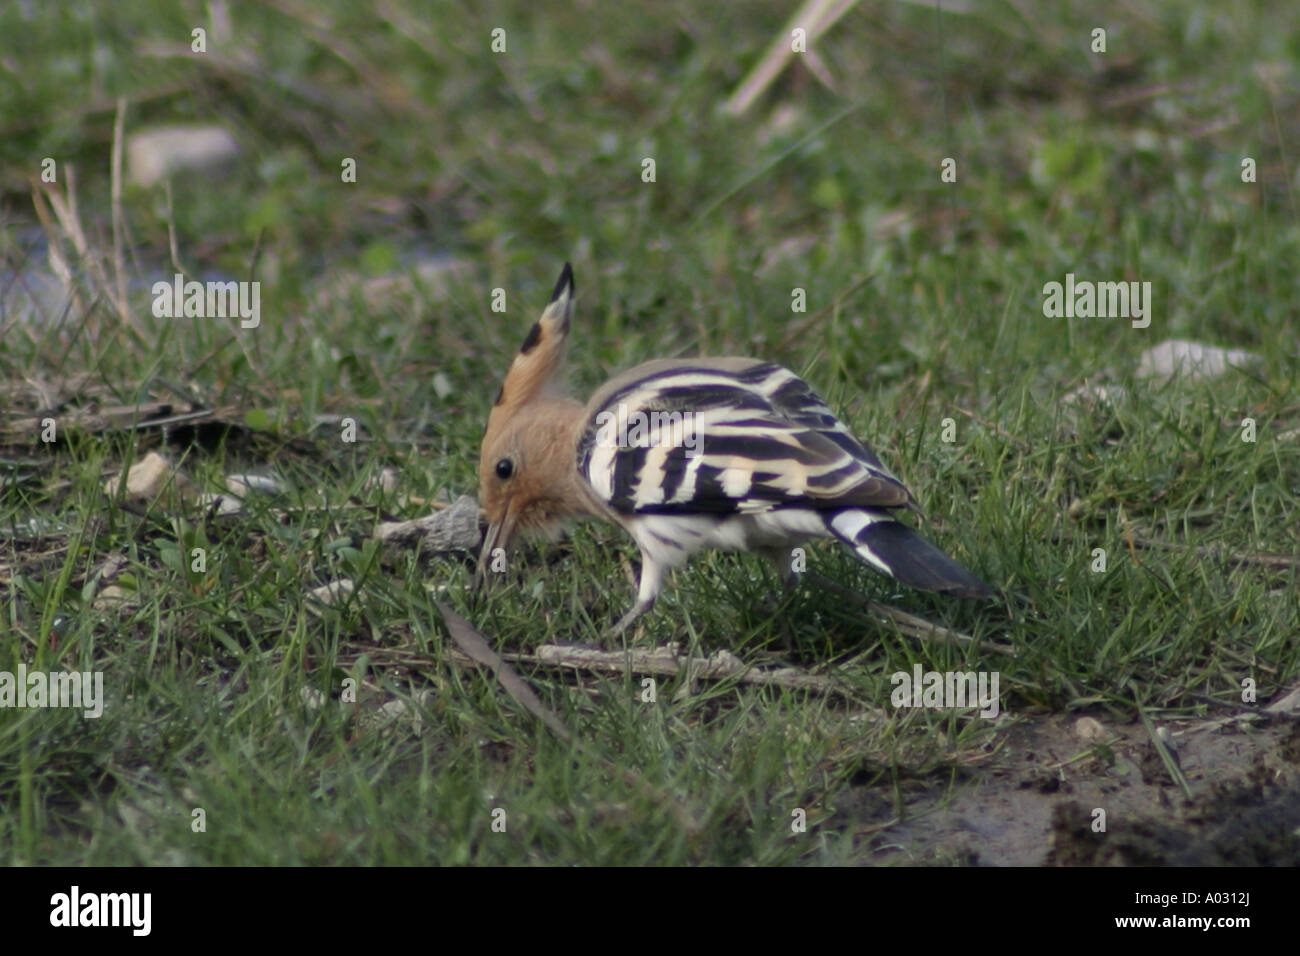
[[473, 645]]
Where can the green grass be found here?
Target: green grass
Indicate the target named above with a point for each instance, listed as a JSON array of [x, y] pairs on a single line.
[[1123, 166]]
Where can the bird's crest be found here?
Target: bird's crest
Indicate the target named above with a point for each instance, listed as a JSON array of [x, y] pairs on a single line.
[[542, 354]]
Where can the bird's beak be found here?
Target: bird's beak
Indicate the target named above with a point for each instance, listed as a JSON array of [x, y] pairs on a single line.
[[495, 541]]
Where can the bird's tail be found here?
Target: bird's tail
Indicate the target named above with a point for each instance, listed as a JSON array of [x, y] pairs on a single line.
[[895, 549]]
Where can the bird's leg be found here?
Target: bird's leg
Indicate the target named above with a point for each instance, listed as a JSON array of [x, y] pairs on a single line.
[[638, 609], [784, 561], [652, 576]]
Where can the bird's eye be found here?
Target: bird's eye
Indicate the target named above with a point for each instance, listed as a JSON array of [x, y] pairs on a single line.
[[505, 468]]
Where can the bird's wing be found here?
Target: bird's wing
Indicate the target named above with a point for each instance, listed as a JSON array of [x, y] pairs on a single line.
[[724, 436]]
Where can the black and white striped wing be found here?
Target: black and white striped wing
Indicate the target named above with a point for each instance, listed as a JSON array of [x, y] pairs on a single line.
[[725, 436]]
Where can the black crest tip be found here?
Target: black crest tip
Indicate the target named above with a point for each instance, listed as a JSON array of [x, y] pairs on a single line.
[[534, 336], [564, 285]]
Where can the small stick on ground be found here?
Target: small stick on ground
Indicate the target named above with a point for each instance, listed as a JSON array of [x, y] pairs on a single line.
[[815, 17], [668, 660], [909, 624], [119, 220], [1259, 559], [472, 643], [476, 647]]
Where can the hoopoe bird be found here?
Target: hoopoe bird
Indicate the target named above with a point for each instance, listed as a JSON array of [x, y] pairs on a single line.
[[687, 454]]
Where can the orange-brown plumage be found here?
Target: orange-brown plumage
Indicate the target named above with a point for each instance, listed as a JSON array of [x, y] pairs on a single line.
[[535, 429]]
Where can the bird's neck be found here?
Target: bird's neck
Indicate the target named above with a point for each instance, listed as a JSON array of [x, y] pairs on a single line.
[[558, 423]]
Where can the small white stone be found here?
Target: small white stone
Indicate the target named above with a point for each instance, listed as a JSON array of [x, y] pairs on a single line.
[[156, 154], [241, 485], [146, 478], [336, 592], [223, 505], [114, 598], [1089, 730], [1191, 360]]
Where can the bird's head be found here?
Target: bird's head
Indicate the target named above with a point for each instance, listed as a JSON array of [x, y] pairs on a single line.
[[527, 469]]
